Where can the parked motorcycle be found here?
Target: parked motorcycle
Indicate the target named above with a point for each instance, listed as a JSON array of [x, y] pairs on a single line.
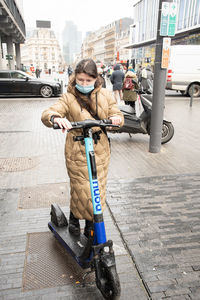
[[138, 120]]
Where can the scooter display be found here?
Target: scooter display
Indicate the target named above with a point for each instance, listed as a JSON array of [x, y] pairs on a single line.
[[139, 121], [95, 252]]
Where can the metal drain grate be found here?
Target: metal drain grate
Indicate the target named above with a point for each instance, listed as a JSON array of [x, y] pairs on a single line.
[[43, 195], [47, 264], [16, 164]]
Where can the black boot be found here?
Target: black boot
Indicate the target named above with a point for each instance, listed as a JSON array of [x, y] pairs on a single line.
[[74, 225], [88, 227]]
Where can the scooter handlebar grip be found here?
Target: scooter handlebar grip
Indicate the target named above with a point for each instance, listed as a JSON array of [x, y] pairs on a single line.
[[107, 121]]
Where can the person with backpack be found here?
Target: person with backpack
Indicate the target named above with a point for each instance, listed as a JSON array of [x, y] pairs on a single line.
[[130, 84]]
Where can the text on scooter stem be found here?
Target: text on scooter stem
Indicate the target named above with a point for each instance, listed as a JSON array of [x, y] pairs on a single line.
[[96, 196]]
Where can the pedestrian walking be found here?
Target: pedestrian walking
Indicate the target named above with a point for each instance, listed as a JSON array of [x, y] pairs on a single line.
[[37, 72], [70, 71], [130, 68], [85, 99], [116, 79], [146, 79], [139, 71], [101, 76], [130, 85], [109, 72]]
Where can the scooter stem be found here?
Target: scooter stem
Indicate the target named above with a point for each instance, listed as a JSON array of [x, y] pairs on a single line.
[[99, 227]]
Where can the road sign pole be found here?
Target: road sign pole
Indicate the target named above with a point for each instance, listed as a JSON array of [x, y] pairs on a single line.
[[9, 64], [158, 92]]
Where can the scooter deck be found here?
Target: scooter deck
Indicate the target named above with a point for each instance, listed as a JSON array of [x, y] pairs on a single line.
[[73, 244]]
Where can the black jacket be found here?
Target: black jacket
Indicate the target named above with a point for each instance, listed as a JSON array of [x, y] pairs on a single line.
[[117, 78]]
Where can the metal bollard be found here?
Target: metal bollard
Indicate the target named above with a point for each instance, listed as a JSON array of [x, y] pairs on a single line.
[[191, 98]]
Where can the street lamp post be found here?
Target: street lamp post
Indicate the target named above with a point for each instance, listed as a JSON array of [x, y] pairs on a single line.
[[158, 91]]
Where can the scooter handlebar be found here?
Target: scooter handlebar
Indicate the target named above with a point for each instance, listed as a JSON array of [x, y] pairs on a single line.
[[89, 124]]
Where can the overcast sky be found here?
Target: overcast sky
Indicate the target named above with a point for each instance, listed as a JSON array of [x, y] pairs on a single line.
[[88, 15]]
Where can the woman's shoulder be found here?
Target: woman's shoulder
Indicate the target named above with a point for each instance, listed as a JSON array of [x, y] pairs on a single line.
[[68, 98]]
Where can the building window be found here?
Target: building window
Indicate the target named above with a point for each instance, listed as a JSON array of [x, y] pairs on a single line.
[[191, 13], [181, 13], [197, 13], [187, 14]]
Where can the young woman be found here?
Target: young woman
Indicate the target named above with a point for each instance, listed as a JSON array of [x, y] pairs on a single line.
[[85, 99]]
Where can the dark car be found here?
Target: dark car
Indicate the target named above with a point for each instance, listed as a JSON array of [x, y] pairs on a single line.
[[20, 83]]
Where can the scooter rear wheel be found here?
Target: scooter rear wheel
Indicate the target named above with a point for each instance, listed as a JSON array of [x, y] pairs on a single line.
[[167, 132], [110, 284]]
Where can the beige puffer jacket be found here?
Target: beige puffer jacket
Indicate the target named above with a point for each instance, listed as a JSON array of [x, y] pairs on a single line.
[[68, 106]]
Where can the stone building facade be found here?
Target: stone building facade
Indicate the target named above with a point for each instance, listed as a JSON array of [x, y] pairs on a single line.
[[106, 45], [42, 50]]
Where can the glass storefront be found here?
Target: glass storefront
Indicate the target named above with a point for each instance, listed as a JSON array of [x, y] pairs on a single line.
[[146, 12]]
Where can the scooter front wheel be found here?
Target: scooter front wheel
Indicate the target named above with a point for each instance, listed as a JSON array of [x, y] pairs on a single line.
[[110, 284]]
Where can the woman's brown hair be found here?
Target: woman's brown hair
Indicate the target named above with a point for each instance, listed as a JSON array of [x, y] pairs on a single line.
[[88, 67]]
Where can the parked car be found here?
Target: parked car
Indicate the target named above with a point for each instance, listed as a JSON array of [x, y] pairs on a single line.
[[184, 70], [20, 83]]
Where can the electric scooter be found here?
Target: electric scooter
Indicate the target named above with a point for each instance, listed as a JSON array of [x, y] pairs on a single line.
[[139, 122], [95, 252]]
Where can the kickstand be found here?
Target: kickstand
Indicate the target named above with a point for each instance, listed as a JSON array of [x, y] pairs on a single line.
[[84, 278], [87, 273], [130, 135]]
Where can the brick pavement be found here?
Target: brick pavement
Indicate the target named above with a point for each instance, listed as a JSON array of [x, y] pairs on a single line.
[[159, 220], [152, 198]]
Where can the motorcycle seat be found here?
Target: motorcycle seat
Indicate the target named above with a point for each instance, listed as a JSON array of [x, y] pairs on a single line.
[[127, 109]]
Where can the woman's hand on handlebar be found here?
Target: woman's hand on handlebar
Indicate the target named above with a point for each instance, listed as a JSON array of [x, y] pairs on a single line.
[[63, 123], [116, 120]]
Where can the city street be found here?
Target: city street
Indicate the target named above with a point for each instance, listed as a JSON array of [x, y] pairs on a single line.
[[152, 207], [152, 214]]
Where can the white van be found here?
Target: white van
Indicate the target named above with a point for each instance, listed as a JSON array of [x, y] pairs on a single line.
[[184, 69]]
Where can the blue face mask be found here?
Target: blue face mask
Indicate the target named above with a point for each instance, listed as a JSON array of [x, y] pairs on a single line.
[[84, 89]]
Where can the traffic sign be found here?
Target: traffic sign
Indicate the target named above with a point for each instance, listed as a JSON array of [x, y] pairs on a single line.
[[165, 53], [172, 19], [9, 57], [164, 19]]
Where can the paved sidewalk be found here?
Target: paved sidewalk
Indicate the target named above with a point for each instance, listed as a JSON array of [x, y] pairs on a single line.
[[32, 175], [152, 216], [159, 220]]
